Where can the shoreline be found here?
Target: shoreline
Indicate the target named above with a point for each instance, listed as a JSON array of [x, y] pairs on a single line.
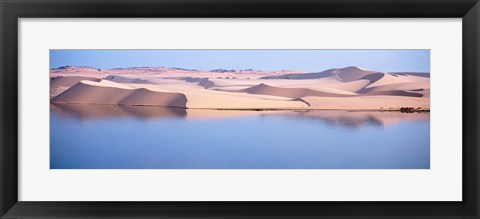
[[401, 109]]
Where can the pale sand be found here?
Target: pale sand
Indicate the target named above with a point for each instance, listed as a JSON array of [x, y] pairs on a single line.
[[61, 84], [200, 98], [342, 88], [390, 80], [287, 92], [321, 85], [106, 92]]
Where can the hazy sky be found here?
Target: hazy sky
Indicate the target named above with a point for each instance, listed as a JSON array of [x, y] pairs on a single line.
[[269, 60]]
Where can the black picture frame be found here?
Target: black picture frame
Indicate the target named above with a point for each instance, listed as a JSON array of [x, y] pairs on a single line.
[[12, 10]]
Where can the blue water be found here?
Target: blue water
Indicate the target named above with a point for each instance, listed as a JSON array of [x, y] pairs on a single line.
[[84, 138]]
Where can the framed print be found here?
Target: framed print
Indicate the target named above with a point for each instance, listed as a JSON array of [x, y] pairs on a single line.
[[225, 109], [348, 102]]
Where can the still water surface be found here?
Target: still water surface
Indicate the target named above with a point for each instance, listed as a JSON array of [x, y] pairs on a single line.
[[107, 137]]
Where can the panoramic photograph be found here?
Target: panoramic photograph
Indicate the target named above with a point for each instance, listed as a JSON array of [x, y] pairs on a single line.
[[239, 109]]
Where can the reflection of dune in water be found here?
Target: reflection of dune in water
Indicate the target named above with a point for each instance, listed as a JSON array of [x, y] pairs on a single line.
[[356, 119], [94, 111], [352, 119]]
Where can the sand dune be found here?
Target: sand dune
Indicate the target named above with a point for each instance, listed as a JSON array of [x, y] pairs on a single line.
[[303, 92], [388, 79], [412, 86], [347, 74], [106, 83], [352, 87], [68, 81], [211, 99], [146, 97], [107, 92], [287, 92], [60, 84], [111, 93], [339, 88], [326, 86]]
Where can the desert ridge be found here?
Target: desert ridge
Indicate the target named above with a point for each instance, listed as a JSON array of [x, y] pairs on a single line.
[[111, 93], [340, 88]]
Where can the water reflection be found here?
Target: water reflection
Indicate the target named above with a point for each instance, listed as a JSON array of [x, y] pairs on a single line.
[[357, 119], [351, 119], [95, 111], [124, 137]]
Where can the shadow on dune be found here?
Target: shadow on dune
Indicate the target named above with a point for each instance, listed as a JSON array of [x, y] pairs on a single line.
[[99, 93], [120, 79], [204, 82], [93, 111]]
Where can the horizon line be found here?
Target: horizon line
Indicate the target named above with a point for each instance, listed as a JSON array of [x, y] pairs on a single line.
[[248, 69]]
